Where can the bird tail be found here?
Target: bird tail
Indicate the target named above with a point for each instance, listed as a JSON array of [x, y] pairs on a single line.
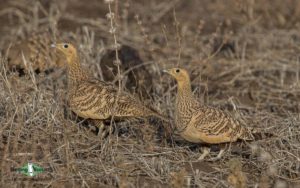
[[261, 135], [155, 113], [162, 117], [166, 123], [247, 135], [151, 112]]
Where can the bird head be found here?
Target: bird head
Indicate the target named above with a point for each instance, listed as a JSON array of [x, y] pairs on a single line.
[[67, 50], [181, 75]]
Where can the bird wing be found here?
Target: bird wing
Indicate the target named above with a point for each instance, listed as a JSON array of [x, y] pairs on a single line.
[[217, 126], [36, 50], [96, 99]]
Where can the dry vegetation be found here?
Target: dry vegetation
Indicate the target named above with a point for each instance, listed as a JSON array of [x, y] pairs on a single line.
[[243, 57]]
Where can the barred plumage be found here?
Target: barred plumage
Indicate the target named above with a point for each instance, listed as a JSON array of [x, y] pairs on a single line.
[[198, 123], [36, 51], [94, 99]]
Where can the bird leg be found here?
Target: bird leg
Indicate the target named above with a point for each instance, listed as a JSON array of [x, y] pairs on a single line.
[[90, 127], [220, 154], [205, 152], [102, 129]]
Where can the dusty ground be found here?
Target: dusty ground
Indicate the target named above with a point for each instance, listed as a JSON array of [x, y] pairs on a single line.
[[243, 57]]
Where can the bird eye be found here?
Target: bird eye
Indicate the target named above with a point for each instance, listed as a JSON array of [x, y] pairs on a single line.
[[177, 70], [66, 45]]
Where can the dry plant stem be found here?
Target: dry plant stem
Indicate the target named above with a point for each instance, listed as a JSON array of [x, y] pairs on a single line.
[[100, 25], [164, 28], [31, 71], [166, 8], [143, 31], [133, 68], [178, 37], [8, 85], [54, 15], [113, 32], [146, 38]]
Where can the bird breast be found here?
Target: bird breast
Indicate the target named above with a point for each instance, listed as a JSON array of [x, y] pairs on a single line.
[[192, 134]]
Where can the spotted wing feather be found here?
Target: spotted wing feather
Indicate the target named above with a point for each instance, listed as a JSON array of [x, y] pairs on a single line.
[[97, 100], [219, 126]]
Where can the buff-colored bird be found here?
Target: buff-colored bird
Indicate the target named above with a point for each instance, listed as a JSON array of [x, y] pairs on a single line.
[[34, 53], [198, 123], [93, 99]]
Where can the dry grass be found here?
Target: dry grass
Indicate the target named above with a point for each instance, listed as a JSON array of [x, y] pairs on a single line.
[[243, 57]]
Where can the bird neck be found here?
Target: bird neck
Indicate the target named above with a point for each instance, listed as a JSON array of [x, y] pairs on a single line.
[[184, 89], [76, 73], [184, 101]]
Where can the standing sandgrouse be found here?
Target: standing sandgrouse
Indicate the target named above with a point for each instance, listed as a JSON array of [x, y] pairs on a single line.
[[93, 99], [201, 124]]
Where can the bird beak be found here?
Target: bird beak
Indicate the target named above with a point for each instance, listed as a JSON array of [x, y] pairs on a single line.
[[56, 47], [166, 71]]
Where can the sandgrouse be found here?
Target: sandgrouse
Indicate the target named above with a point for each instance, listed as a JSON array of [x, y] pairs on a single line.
[[35, 51], [198, 123], [96, 100]]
